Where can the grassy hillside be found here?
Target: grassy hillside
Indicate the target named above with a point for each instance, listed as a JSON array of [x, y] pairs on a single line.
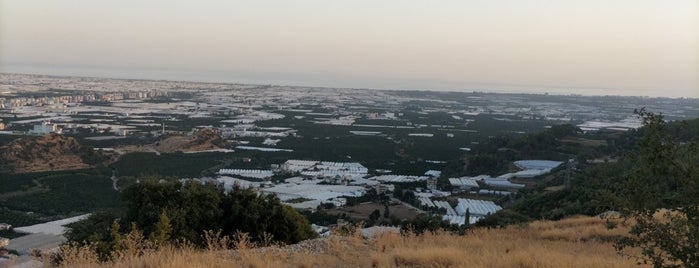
[[572, 242]]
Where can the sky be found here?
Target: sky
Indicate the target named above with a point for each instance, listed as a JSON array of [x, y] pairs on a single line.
[[590, 47]]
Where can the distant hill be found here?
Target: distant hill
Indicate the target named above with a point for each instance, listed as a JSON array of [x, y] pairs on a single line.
[[202, 140], [50, 152]]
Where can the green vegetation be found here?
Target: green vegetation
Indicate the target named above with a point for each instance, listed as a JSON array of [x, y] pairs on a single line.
[[596, 188], [16, 182], [494, 157], [18, 218], [5, 139], [31, 198], [655, 182], [67, 194], [175, 164], [661, 193], [431, 223], [165, 209], [645, 172], [394, 149], [324, 219]]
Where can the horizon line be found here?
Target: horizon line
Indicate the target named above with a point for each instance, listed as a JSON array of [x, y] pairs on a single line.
[[519, 91]]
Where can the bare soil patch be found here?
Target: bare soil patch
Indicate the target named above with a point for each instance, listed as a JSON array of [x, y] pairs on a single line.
[[362, 211]]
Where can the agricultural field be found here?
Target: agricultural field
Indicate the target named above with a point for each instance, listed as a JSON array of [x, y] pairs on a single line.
[[32, 198], [171, 164], [362, 211]]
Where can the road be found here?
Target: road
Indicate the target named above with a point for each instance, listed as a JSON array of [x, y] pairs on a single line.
[[114, 181]]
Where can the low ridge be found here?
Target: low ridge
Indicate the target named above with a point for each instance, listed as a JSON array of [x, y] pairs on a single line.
[[50, 152]]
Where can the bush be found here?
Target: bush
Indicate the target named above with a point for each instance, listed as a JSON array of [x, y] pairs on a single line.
[[663, 189], [169, 210]]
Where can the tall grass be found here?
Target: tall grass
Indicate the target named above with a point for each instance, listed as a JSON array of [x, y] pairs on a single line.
[[574, 242]]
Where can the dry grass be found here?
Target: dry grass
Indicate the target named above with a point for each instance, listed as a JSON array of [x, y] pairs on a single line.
[[580, 229], [575, 242]]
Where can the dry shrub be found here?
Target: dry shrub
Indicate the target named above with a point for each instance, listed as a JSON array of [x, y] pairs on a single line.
[[581, 228], [215, 241], [380, 259], [242, 241], [73, 255], [267, 240], [386, 241], [535, 245], [132, 246], [337, 246], [429, 257], [346, 240]]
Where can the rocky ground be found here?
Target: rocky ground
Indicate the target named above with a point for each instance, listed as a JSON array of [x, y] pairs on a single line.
[[202, 140]]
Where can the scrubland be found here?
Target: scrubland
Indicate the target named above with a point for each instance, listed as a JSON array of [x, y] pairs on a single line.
[[573, 242]]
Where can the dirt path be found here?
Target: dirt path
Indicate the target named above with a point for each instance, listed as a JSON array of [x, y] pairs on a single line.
[[114, 181]]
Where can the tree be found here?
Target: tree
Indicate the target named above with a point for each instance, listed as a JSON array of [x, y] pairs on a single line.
[[166, 210], [262, 215], [297, 224], [116, 238], [162, 231], [433, 223], [191, 207], [95, 227], [375, 215], [100, 229], [148, 198], [663, 197]]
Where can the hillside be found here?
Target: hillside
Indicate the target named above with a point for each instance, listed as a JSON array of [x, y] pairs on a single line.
[[573, 242], [202, 140], [50, 152]]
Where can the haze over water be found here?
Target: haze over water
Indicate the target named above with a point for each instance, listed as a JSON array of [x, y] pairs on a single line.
[[295, 79]]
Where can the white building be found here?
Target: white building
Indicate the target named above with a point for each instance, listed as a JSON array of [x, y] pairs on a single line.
[[325, 168], [464, 183], [45, 128], [477, 208]]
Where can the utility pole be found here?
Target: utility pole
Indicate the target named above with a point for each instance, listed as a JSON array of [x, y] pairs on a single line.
[[569, 167]]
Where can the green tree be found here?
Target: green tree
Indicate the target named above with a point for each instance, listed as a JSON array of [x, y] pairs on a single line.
[[299, 227], [167, 210], [431, 223], [375, 215], [191, 207], [116, 238], [261, 215], [198, 209], [100, 229], [150, 196], [163, 230], [663, 197], [95, 227]]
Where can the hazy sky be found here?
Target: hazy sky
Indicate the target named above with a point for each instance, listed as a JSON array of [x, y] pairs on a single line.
[[634, 47]]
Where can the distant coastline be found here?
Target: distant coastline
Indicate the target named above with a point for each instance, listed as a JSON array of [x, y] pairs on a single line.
[[318, 80]]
